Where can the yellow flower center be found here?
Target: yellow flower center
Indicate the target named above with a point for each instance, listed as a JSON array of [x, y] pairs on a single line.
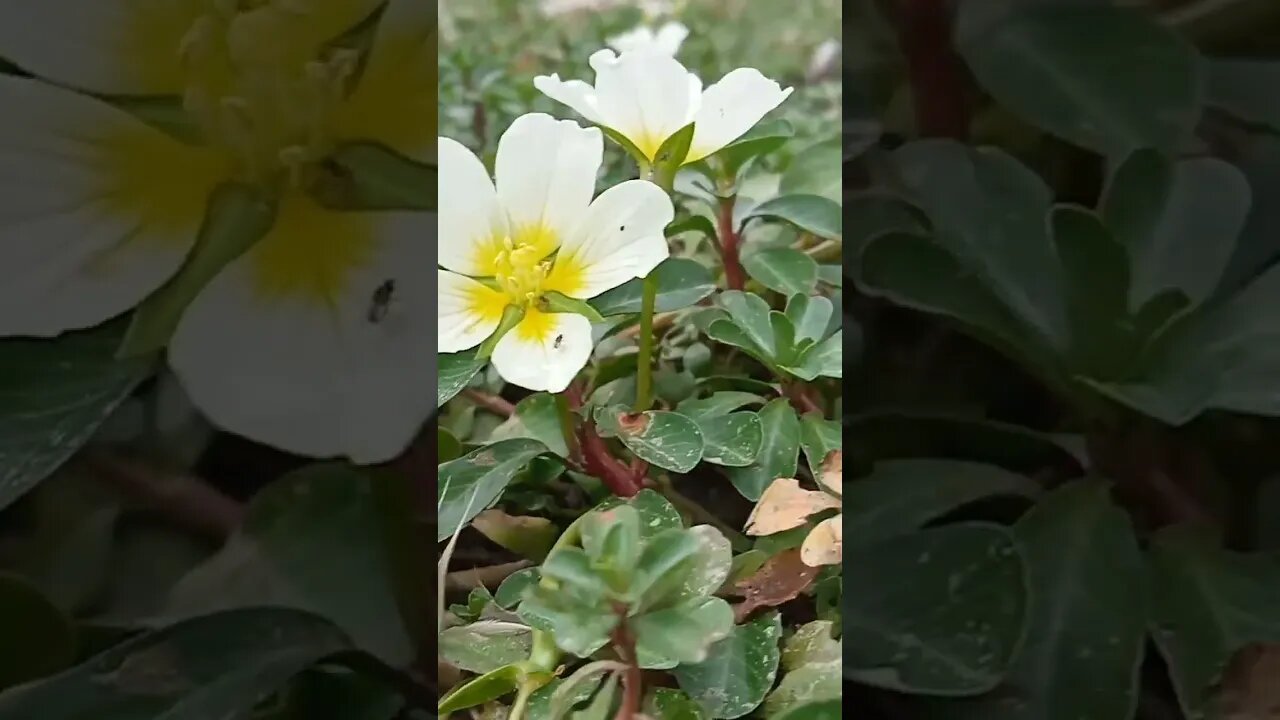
[[262, 90], [521, 271]]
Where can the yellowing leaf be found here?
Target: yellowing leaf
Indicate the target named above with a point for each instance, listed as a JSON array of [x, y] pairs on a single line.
[[825, 543], [785, 505], [531, 537], [831, 474]]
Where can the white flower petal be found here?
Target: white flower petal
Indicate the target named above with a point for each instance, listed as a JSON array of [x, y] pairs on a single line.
[[546, 173], [471, 223], [644, 96], [670, 37], [731, 107], [97, 209], [469, 312], [619, 238], [395, 100], [114, 47], [578, 95], [544, 352], [299, 345]]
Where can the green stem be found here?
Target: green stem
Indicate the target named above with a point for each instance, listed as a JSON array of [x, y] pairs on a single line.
[[644, 364], [522, 700]]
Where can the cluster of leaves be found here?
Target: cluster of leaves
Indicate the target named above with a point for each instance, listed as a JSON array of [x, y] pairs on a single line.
[[1067, 294]]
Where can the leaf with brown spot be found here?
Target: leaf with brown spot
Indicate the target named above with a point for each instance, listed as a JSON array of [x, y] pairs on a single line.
[[785, 506], [781, 579], [1249, 690]]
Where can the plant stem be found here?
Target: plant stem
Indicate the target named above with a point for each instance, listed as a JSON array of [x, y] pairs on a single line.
[[935, 71], [734, 277], [632, 678], [493, 403], [567, 431], [522, 700], [644, 364]]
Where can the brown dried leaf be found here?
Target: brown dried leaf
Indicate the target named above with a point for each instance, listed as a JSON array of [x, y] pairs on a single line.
[[1249, 690], [831, 472], [781, 579], [825, 543], [784, 505]]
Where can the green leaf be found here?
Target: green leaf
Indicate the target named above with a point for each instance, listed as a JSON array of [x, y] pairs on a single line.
[[671, 155], [657, 514], [816, 170], [54, 394], [472, 482], [710, 567], [783, 270], [556, 302], [681, 633], [1245, 88], [989, 213], [485, 646], [818, 437], [700, 224], [512, 589], [886, 435], [654, 578], [611, 537], [872, 215], [216, 666], [900, 496], [1096, 271], [237, 217], [731, 440], [447, 446], [762, 139], [663, 438], [541, 419], [1227, 357], [478, 691], [1179, 221], [454, 372], [1106, 78], [1083, 651], [540, 702], [580, 623], [810, 315], [1207, 604], [668, 704], [312, 541], [750, 313], [826, 359], [917, 273], [823, 710], [717, 404], [39, 638], [812, 659], [368, 176], [739, 670], [681, 282], [813, 214], [779, 450], [898, 635]]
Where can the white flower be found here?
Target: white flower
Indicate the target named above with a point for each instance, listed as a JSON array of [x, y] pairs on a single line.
[[314, 339], [648, 97], [665, 41], [538, 231]]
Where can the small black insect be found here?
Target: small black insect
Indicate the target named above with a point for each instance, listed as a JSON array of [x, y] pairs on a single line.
[[381, 303], [559, 339]]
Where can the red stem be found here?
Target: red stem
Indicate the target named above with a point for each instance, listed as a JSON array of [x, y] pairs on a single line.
[[597, 461], [935, 70], [632, 679], [734, 277], [493, 403], [800, 398]]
